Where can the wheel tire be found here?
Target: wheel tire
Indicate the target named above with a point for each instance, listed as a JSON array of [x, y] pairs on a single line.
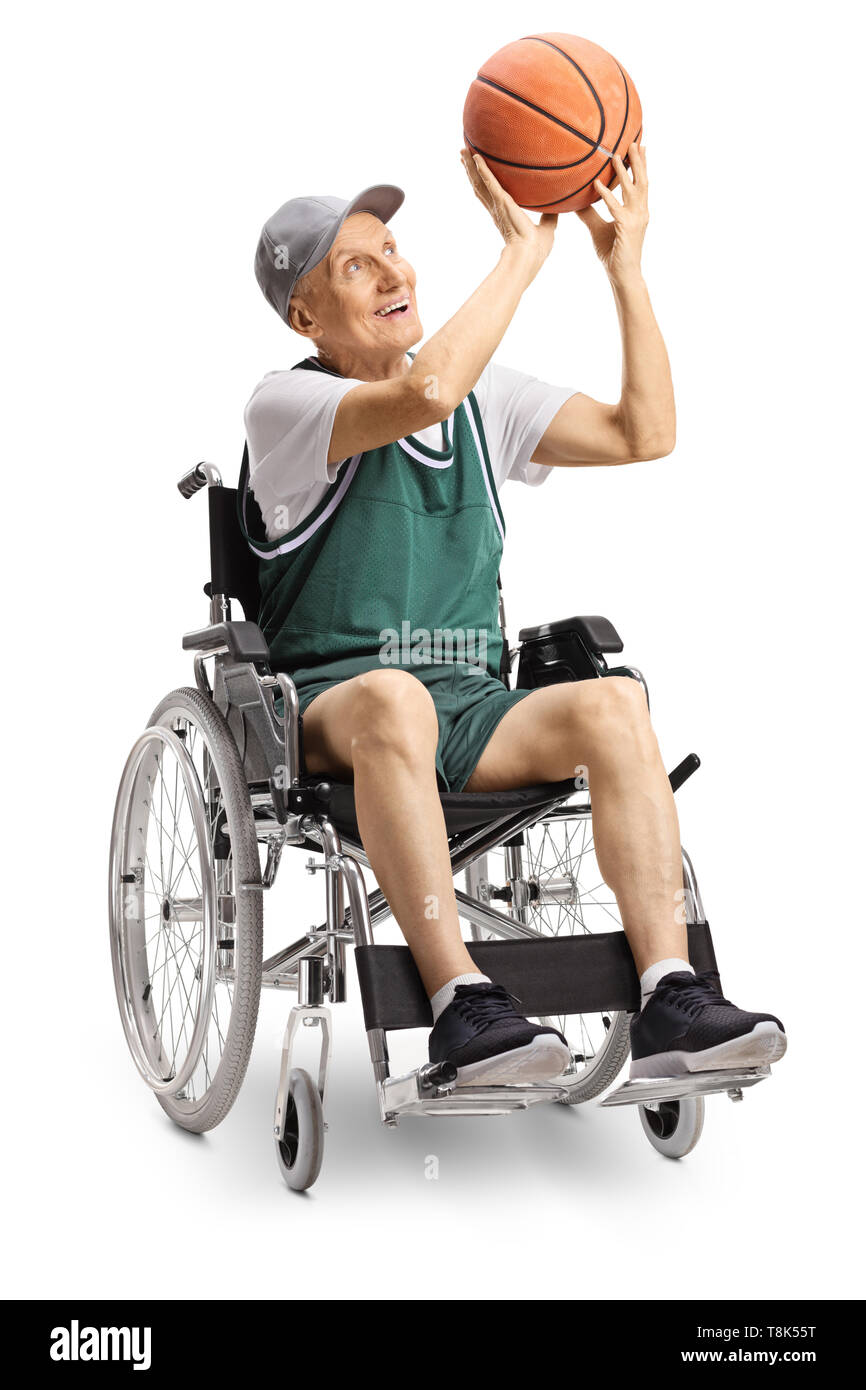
[[675, 1127], [301, 1147], [206, 1099], [609, 1065]]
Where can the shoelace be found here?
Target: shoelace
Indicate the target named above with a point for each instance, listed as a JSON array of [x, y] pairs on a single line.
[[693, 996], [483, 1007]]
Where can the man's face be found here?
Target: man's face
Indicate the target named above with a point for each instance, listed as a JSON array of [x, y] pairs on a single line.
[[362, 274]]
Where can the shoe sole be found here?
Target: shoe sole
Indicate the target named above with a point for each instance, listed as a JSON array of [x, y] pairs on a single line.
[[764, 1045], [541, 1060]]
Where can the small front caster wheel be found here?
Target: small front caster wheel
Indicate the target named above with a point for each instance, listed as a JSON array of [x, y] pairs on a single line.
[[673, 1126], [301, 1144]]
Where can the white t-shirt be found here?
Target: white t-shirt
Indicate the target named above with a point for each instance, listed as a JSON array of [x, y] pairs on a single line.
[[290, 416]]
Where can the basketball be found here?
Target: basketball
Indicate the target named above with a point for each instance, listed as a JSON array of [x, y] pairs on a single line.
[[546, 113]]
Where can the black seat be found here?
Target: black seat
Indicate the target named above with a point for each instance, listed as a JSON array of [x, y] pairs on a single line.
[[463, 810]]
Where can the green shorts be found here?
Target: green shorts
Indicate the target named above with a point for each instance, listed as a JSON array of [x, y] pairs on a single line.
[[469, 704]]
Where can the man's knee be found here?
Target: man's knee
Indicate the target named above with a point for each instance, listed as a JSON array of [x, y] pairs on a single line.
[[624, 699], [612, 711], [394, 713]]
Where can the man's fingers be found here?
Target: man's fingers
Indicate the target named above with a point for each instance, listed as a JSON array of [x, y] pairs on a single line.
[[472, 164], [482, 168], [592, 219], [483, 178], [625, 182], [613, 203], [492, 184], [637, 164], [479, 187]]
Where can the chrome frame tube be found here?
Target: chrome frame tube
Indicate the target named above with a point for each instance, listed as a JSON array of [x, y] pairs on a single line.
[[287, 960], [334, 915], [517, 883], [503, 924], [311, 981], [693, 892], [219, 612], [477, 888], [288, 721], [211, 473], [322, 830]]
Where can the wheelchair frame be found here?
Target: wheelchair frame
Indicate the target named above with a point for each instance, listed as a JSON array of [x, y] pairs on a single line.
[[585, 974]]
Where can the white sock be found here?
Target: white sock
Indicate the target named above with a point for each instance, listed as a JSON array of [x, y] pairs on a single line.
[[443, 997], [653, 973]]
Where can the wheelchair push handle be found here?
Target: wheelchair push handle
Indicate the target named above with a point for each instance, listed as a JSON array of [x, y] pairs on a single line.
[[203, 475]]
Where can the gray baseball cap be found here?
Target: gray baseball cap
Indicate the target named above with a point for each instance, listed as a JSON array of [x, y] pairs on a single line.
[[302, 232]]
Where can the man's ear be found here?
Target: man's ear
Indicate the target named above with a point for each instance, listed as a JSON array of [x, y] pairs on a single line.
[[301, 320]]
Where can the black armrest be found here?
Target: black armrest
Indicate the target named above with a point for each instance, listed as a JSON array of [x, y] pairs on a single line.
[[245, 641], [598, 634]]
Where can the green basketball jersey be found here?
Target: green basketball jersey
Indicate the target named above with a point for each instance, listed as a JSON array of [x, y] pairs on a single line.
[[396, 566]]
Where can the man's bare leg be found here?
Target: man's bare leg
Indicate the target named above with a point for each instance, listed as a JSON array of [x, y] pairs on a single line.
[[604, 726], [381, 730]]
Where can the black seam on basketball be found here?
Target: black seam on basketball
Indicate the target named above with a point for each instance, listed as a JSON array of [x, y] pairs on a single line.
[[537, 207], [540, 168], [625, 115], [536, 38], [524, 101]]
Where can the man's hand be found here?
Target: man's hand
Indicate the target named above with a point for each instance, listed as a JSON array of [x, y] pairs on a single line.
[[515, 227], [618, 243]]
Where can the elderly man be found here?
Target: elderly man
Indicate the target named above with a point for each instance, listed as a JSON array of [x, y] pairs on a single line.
[[377, 472]]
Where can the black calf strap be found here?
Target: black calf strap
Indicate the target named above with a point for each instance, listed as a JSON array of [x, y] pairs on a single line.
[[559, 975]]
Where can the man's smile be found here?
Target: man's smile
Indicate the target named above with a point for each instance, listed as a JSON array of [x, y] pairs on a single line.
[[395, 309]]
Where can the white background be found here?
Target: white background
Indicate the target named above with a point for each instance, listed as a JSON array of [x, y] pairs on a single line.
[[146, 146]]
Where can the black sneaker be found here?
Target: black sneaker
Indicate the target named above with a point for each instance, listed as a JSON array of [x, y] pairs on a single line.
[[687, 1026], [489, 1042]]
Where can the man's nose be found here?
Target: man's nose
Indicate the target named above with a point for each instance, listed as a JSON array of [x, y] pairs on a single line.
[[389, 275]]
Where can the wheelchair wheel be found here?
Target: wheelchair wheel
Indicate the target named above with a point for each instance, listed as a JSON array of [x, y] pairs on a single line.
[[301, 1146], [549, 879], [186, 910], [673, 1126]]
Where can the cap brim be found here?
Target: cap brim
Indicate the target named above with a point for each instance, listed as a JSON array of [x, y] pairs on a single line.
[[382, 199]]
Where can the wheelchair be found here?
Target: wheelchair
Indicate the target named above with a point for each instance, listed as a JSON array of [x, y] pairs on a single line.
[[212, 794]]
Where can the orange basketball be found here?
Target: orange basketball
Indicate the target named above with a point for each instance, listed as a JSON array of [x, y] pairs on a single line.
[[546, 113]]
